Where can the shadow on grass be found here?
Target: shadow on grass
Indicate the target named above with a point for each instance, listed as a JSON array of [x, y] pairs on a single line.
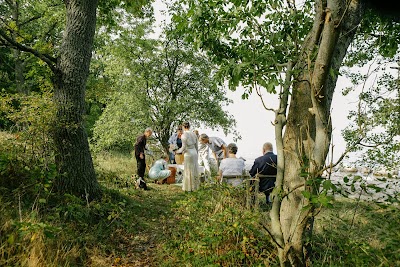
[[122, 228]]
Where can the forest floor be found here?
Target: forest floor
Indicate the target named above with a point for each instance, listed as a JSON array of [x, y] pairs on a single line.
[[158, 213], [166, 227], [154, 216]]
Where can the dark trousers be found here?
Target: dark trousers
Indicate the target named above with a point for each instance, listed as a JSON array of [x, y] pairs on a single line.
[[172, 158], [141, 166], [266, 186]]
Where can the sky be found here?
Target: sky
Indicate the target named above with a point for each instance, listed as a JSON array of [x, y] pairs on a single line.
[[254, 122]]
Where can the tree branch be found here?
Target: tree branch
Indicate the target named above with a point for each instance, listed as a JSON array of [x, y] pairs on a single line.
[[272, 237], [30, 20], [51, 61], [11, 4]]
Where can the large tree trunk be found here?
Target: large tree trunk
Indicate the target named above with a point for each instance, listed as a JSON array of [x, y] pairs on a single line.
[[19, 64], [308, 129], [73, 158]]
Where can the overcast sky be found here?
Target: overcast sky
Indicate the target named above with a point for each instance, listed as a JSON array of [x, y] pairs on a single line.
[[255, 127]]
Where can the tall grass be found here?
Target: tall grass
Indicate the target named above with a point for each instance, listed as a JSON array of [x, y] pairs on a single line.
[[357, 234], [212, 227], [165, 226]]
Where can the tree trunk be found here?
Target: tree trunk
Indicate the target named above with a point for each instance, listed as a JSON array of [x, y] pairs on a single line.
[[18, 63], [73, 158], [307, 135]]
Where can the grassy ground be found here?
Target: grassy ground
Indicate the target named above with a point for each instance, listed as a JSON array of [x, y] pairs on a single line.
[[166, 227]]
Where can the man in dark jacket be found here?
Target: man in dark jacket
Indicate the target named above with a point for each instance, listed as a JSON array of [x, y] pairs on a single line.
[[140, 147], [266, 165]]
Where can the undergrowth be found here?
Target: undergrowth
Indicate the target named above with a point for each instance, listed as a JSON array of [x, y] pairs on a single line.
[[164, 226], [213, 228], [357, 234]]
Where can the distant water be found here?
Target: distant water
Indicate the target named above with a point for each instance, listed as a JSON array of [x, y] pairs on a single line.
[[377, 188]]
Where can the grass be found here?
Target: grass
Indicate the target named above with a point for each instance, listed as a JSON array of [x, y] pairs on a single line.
[[167, 227], [363, 234]]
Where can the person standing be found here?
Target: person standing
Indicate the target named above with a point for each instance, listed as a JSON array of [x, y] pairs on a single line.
[[216, 145], [266, 165], [175, 142], [189, 149], [204, 157], [140, 147]]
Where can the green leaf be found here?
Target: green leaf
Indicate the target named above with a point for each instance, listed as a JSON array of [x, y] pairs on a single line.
[[11, 239], [306, 194]]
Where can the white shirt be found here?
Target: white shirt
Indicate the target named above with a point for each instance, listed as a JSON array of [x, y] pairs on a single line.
[[231, 166]]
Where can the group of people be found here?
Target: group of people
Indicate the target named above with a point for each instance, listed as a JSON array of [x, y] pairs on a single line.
[[195, 149]]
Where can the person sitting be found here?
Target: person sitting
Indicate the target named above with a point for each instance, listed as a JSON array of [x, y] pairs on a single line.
[[231, 166], [159, 170], [266, 165]]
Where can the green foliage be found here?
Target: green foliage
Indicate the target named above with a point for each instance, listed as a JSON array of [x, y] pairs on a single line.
[[119, 123], [380, 190], [375, 124], [163, 83], [35, 24], [249, 41], [113, 12], [26, 155]]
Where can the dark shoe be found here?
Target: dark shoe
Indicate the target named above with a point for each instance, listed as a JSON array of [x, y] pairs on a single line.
[[141, 184]]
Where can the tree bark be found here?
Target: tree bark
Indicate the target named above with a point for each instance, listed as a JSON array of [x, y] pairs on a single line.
[[19, 64], [73, 158], [307, 135]]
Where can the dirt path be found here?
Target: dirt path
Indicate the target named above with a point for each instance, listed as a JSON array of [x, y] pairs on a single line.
[[157, 203]]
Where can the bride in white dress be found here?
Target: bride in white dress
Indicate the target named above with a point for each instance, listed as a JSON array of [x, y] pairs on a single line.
[[191, 181]]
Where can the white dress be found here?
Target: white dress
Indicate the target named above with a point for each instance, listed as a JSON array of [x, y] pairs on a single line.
[[191, 181]]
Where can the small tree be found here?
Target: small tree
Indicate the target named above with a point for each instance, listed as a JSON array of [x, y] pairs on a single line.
[[164, 83]]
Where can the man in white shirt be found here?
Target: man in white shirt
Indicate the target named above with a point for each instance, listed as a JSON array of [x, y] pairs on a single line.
[[216, 145]]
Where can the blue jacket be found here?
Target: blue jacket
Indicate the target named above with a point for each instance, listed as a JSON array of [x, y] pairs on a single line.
[[265, 164]]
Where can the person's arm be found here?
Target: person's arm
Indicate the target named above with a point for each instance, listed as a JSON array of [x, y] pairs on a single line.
[[219, 178], [225, 150], [254, 169], [183, 148], [196, 144], [221, 170], [172, 139]]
